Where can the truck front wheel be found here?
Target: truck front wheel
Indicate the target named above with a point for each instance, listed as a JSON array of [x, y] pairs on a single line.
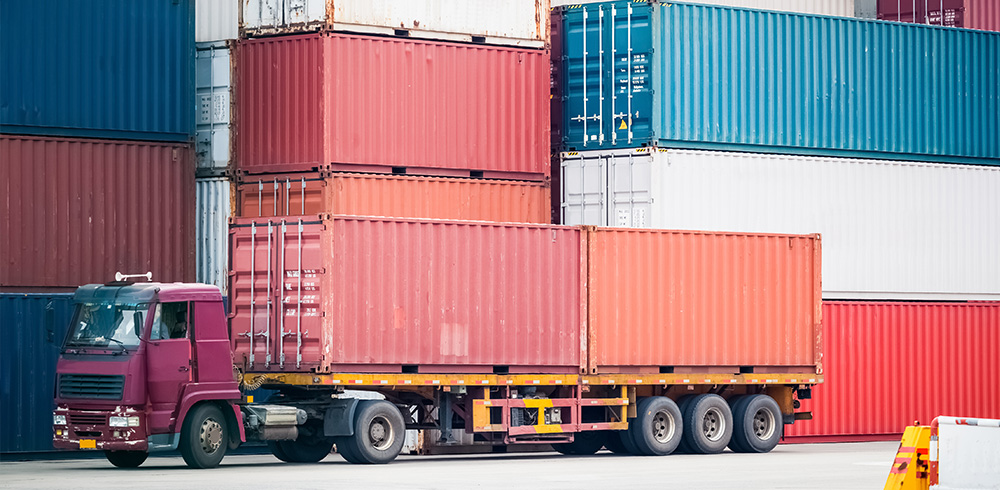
[[204, 437], [126, 459]]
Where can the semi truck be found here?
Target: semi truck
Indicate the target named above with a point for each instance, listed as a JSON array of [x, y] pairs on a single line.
[[645, 342]]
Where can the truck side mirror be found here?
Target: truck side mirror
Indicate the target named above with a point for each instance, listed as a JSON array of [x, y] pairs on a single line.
[[137, 323], [50, 321]]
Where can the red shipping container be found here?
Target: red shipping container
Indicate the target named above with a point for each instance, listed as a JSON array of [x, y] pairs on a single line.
[[692, 301], [364, 103], [76, 211], [353, 294], [970, 14], [890, 364]]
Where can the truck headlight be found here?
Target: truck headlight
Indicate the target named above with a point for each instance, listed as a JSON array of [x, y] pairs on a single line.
[[58, 419], [118, 421]]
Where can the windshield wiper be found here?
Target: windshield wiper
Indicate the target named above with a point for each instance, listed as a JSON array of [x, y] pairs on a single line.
[[120, 344]]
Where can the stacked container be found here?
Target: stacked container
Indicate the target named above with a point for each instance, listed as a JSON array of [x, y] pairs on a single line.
[[96, 170], [713, 118]]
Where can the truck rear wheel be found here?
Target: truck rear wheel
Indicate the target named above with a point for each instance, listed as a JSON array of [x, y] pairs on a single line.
[[708, 424], [306, 449], [204, 437], [613, 441], [757, 424], [126, 459], [657, 428], [278, 451], [378, 432], [583, 443]]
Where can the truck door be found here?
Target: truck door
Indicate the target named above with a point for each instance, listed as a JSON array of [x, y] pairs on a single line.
[[168, 362]]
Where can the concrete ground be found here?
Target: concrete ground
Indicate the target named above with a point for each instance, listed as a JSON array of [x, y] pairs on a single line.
[[796, 466]]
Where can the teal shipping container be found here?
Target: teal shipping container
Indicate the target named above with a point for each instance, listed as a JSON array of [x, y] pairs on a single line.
[[110, 69], [696, 76]]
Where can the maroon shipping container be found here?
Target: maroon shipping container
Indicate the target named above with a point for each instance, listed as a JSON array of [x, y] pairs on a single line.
[[889, 364], [970, 14], [389, 295], [76, 211], [382, 104]]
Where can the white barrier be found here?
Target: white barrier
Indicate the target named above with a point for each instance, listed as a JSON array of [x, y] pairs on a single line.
[[964, 454]]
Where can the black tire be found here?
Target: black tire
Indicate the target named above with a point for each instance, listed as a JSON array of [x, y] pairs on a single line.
[[307, 449], [278, 451], [757, 424], [584, 443], [344, 449], [126, 459], [708, 424], [378, 432], [613, 441], [682, 404], [657, 429], [204, 437], [625, 436], [734, 442]]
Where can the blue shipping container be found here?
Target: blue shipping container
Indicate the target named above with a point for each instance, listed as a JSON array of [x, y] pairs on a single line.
[[113, 69], [697, 76], [28, 367]]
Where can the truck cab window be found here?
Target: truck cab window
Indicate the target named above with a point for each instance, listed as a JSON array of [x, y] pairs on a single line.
[[171, 321]]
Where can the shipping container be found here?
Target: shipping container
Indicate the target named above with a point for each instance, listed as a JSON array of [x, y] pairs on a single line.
[[891, 229], [392, 105], [390, 295], [77, 211], [396, 196], [114, 69], [214, 206], [970, 14], [840, 8], [512, 22], [216, 20], [212, 140], [889, 364], [745, 80], [28, 367], [684, 301]]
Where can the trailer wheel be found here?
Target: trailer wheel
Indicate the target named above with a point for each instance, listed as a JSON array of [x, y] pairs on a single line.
[[306, 449], [682, 405], [708, 424], [757, 424], [278, 451], [378, 432], [204, 437], [625, 436], [657, 429], [126, 459], [584, 443], [613, 441]]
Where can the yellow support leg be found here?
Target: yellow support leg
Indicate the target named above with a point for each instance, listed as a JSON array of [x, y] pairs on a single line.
[[910, 468]]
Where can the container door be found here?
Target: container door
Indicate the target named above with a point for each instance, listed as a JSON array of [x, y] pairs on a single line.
[[628, 190], [584, 186], [168, 362], [584, 78], [250, 288], [628, 93], [298, 315]]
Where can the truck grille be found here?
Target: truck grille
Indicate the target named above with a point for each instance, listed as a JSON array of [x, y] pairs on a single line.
[[87, 419], [91, 386]]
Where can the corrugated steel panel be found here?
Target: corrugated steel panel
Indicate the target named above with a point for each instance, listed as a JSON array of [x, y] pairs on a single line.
[[315, 100], [690, 300], [982, 14], [733, 79], [840, 8], [214, 207], [28, 367], [373, 295], [216, 20], [115, 69], [891, 230], [888, 364], [396, 196], [77, 211], [970, 14], [511, 22], [212, 70]]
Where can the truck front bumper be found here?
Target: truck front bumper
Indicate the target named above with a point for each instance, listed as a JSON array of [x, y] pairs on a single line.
[[122, 429]]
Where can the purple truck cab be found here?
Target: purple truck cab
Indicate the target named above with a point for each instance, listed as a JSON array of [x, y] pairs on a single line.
[[148, 367]]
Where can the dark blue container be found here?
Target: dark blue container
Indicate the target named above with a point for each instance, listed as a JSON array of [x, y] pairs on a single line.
[[28, 354], [708, 77], [111, 69]]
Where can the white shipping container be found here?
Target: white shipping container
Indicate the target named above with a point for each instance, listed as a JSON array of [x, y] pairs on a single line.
[[838, 8], [216, 20], [212, 105], [523, 23], [891, 229], [213, 207]]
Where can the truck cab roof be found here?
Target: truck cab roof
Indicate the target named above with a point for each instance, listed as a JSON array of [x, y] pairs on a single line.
[[146, 292]]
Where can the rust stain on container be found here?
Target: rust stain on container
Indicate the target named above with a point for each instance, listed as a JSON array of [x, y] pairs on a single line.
[[312, 101], [395, 196], [891, 363], [688, 300], [76, 211], [377, 295]]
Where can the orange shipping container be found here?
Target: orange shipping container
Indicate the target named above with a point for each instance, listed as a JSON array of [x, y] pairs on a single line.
[[681, 301], [396, 196]]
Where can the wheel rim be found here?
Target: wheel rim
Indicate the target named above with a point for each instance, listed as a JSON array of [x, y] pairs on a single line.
[[713, 424], [380, 433], [663, 426], [210, 436], [763, 424]]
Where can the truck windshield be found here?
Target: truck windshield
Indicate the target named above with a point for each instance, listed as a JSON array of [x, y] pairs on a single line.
[[107, 325]]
